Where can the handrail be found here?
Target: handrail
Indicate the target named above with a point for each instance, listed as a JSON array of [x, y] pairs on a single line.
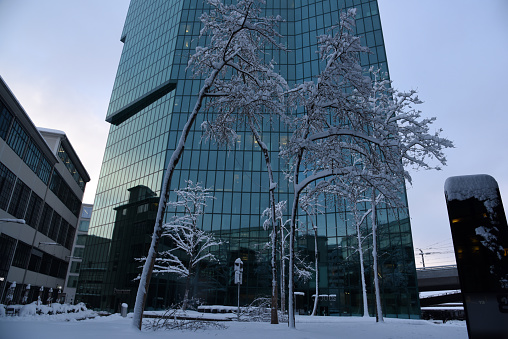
[[434, 268]]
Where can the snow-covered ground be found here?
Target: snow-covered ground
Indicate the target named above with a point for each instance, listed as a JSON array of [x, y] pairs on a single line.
[[114, 326]]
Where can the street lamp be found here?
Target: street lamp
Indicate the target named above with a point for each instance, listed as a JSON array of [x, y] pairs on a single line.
[[47, 243], [17, 221]]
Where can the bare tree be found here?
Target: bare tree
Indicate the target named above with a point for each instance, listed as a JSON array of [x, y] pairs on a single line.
[[192, 244]]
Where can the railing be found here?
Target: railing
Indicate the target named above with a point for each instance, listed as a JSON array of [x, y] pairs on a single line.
[[435, 268]]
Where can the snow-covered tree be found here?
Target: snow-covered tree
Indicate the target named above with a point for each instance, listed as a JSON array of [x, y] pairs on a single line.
[[246, 100], [354, 195], [273, 214], [345, 116], [303, 269], [192, 245], [311, 206], [238, 37]]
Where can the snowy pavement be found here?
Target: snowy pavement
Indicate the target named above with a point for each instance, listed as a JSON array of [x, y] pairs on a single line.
[[114, 326]]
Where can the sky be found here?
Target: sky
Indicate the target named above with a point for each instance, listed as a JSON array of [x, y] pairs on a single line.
[[59, 58]]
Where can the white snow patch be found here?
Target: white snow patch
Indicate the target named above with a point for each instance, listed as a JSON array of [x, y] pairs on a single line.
[[481, 186], [114, 326], [52, 131]]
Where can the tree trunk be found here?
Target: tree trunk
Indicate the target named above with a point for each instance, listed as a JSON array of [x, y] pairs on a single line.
[[282, 273], [185, 298], [379, 308], [146, 275], [187, 288], [274, 319], [316, 261], [362, 268], [292, 231]]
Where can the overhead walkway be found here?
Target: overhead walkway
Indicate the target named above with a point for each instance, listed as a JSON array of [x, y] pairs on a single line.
[[438, 278]]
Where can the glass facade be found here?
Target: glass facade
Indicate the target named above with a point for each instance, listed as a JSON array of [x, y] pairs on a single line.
[[62, 154], [158, 38]]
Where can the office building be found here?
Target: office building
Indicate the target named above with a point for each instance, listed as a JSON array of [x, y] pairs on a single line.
[[42, 182], [151, 99], [75, 259]]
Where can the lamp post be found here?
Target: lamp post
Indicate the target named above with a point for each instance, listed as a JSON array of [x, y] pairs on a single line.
[[47, 243], [16, 221]]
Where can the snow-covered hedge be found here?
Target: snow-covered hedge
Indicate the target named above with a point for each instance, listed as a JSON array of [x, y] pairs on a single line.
[[34, 309]]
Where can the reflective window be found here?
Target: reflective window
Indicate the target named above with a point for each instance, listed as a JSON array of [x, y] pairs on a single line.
[[83, 225]]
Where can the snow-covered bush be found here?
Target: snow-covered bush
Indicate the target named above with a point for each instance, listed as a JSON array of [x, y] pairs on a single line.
[[28, 310], [33, 309]]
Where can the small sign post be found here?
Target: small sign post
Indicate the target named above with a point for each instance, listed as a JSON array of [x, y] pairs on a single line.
[[238, 280]]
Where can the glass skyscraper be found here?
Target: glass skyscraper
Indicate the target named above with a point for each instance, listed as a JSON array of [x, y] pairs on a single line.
[[151, 99]]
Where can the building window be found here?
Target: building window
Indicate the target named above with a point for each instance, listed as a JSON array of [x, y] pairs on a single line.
[[55, 226], [72, 282], [55, 267], [24, 146], [46, 263], [78, 252], [33, 157], [7, 248], [45, 220], [83, 225], [142, 208], [35, 260], [86, 212], [81, 240], [75, 266], [19, 200], [7, 179], [64, 193], [34, 207], [5, 121], [18, 139], [21, 255], [62, 154], [62, 235], [44, 171], [70, 237]]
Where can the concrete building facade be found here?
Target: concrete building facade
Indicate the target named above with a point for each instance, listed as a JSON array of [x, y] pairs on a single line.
[[42, 182]]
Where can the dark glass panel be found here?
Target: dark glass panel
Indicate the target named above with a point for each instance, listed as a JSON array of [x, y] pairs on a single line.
[[5, 121], [19, 200], [7, 179], [35, 260], [18, 139], [22, 255], [7, 248], [70, 237], [45, 221], [33, 210]]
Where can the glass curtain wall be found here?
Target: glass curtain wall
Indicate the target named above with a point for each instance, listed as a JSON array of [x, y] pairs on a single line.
[[158, 38]]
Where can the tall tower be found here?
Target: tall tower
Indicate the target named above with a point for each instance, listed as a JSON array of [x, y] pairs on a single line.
[[151, 99]]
